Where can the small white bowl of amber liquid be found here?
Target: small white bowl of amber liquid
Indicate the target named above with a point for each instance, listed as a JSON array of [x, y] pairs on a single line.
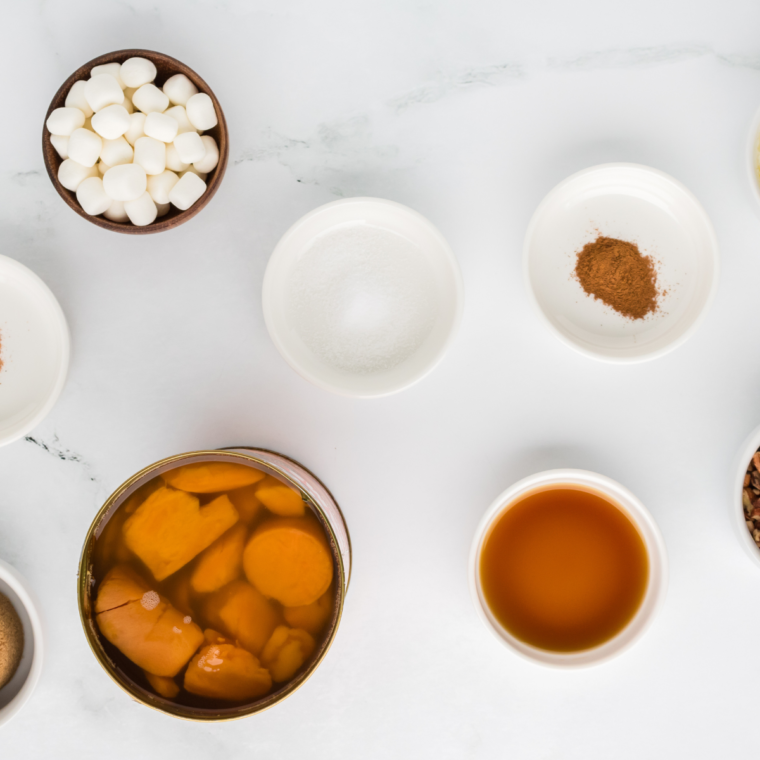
[[567, 568], [212, 584]]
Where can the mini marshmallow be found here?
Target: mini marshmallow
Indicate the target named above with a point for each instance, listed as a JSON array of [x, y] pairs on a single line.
[[179, 114], [103, 168], [150, 154], [111, 122], [126, 182], [211, 159], [61, 145], [71, 174], [85, 147], [116, 152], [187, 191], [76, 98], [114, 69], [103, 90], [135, 72], [130, 109], [160, 185], [149, 98], [193, 170], [116, 212], [161, 127], [179, 89], [190, 147], [163, 208], [136, 128], [63, 121], [142, 211], [92, 197], [173, 160], [201, 112]]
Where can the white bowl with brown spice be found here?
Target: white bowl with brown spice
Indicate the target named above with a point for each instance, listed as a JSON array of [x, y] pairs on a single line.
[[21, 646], [745, 496], [621, 213]]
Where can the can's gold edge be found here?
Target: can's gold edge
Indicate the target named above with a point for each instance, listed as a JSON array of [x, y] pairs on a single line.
[[83, 580]]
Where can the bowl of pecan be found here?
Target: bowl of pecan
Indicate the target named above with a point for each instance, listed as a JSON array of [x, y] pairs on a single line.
[[745, 502]]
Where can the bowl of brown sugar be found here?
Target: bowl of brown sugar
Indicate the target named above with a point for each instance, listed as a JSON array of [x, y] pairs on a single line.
[[622, 262], [20, 643]]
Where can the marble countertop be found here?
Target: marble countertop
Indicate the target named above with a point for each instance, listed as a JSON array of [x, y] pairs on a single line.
[[469, 112]]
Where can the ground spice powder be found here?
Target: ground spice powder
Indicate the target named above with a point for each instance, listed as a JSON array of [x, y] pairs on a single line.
[[619, 275], [11, 640]]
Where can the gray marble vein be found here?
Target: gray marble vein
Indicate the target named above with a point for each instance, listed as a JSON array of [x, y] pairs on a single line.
[[444, 84]]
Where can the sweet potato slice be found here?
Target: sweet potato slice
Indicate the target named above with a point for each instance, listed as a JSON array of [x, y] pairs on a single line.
[[286, 651], [210, 477], [170, 528], [222, 562], [163, 686], [242, 613], [144, 625], [280, 498], [210, 636], [288, 559], [224, 671], [177, 589], [133, 501], [311, 617], [247, 503]]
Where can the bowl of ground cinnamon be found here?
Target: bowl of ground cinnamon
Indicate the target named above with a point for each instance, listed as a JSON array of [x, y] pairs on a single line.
[[622, 262], [21, 643]]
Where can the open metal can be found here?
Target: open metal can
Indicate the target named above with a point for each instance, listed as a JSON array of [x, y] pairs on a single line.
[[325, 509]]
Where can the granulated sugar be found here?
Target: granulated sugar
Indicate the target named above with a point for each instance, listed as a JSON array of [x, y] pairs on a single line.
[[363, 298]]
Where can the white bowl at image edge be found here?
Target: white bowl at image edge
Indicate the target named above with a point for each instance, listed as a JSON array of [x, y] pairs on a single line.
[[753, 138], [34, 349], [396, 218], [15, 694], [749, 447], [658, 568], [634, 203]]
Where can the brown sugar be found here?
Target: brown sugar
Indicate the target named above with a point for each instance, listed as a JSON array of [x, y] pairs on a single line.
[[619, 275], [11, 640]]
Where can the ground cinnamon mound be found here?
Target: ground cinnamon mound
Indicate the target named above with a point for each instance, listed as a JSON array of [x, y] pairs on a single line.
[[619, 275]]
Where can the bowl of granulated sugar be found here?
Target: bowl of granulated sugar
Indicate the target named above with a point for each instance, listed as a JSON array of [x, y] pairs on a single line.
[[362, 297]]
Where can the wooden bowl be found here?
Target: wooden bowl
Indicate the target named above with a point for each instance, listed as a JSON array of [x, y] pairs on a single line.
[[167, 67]]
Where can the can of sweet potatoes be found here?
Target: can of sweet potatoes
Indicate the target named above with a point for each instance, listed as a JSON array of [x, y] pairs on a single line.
[[321, 508]]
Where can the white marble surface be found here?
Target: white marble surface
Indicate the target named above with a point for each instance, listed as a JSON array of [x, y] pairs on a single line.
[[469, 112]]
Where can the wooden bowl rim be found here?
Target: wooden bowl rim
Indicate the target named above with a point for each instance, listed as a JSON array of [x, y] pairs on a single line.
[[53, 161]]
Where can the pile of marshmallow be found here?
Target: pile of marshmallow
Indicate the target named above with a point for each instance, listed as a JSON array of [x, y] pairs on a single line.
[[146, 142]]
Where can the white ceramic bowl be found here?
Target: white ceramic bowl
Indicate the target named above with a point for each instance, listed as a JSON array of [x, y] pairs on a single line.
[[388, 215], [752, 149], [650, 533], [748, 448], [34, 349], [15, 694], [640, 205]]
